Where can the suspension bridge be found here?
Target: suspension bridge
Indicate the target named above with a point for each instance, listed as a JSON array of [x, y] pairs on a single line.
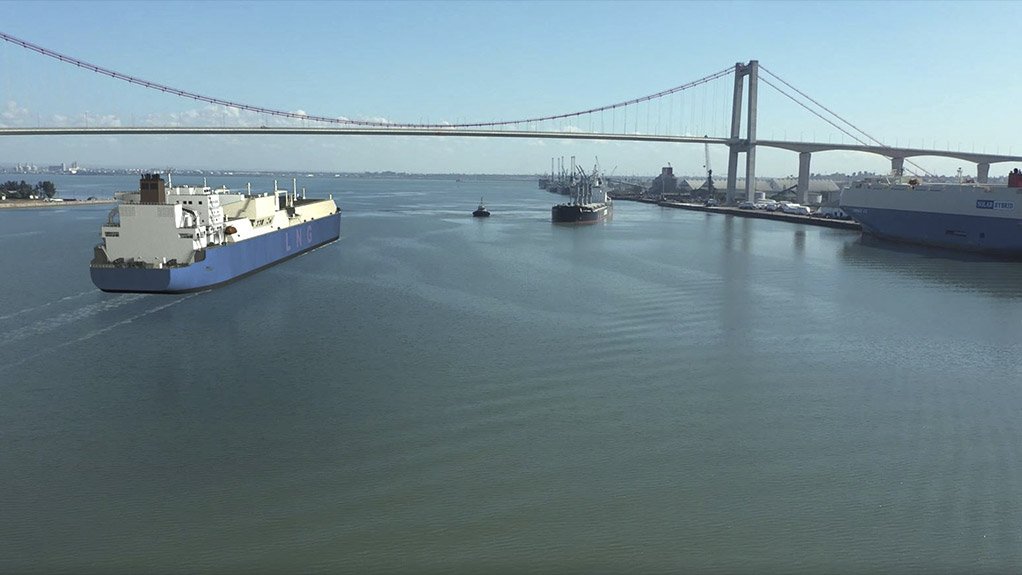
[[739, 141]]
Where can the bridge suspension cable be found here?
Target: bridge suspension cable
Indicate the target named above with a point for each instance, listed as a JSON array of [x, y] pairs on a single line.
[[812, 111], [344, 121], [828, 110], [831, 112]]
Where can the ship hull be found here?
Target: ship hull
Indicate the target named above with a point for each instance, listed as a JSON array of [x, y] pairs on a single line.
[[983, 220], [222, 264], [579, 214], [997, 236]]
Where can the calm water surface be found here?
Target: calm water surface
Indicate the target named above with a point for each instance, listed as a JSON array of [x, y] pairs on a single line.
[[671, 391]]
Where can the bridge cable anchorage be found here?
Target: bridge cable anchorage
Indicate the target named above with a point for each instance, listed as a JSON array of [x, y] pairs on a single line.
[[344, 121], [832, 113]]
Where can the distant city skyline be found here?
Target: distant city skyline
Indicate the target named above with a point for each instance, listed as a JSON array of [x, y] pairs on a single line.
[[447, 62]]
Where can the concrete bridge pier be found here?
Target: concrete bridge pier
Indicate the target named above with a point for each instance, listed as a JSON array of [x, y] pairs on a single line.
[[982, 172], [898, 166], [736, 131], [732, 171], [736, 145], [803, 177], [750, 152]]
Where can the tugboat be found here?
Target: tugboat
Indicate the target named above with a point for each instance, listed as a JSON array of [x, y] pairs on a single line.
[[481, 211], [589, 203]]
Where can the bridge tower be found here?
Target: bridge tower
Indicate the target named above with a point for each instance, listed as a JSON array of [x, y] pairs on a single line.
[[736, 144]]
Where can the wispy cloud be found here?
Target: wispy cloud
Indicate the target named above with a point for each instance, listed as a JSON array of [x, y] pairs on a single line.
[[102, 120], [13, 115]]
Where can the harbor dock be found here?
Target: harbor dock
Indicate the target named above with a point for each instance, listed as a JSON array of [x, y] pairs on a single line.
[[761, 214]]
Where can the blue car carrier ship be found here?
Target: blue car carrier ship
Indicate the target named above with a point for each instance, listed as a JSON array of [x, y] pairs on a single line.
[[181, 239], [970, 216]]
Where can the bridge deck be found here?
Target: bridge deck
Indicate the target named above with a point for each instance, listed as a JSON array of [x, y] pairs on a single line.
[[890, 152]]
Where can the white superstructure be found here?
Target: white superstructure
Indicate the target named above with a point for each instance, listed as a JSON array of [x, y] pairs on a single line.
[[965, 198], [160, 226]]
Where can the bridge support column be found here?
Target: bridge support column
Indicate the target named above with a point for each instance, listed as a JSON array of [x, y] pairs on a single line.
[[732, 172], [750, 152], [982, 172], [803, 177], [898, 166], [736, 131], [736, 145]]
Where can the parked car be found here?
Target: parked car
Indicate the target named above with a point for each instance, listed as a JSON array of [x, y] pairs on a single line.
[[796, 209], [711, 202], [747, 205], [764, 204], [831, 212], [777, 206]]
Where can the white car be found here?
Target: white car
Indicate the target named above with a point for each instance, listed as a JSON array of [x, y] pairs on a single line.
[[796, 209], [831, 212]]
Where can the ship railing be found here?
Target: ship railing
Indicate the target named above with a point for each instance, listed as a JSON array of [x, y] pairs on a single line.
[[139, 265]]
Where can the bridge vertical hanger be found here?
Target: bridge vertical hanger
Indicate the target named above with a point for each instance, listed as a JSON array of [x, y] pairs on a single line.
[[748, 145]]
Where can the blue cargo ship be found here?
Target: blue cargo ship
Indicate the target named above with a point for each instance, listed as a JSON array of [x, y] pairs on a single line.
[[177, 240], [968, 216]]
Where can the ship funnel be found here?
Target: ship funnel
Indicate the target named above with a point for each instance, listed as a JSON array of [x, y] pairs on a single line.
[[152, 189]]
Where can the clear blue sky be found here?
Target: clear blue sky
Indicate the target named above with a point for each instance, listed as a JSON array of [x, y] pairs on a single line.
[[925, 74]]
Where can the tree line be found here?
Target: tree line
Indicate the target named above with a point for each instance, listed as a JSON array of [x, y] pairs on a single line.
[[23, 190]]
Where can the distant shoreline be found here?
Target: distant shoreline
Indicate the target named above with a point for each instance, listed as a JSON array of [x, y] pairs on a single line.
[[17, 204]]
